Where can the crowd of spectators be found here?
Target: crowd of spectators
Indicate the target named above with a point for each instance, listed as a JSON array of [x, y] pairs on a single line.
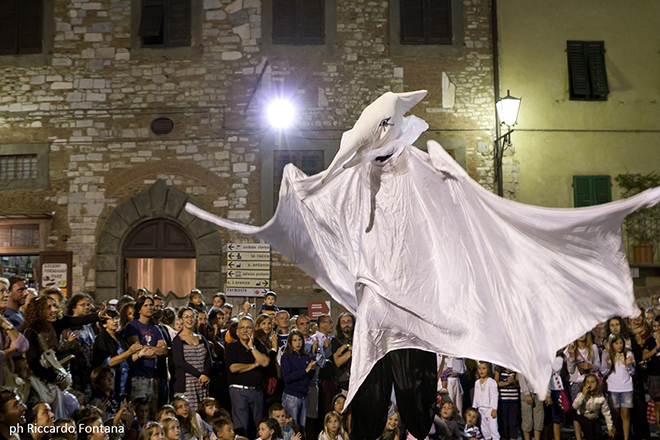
[[135, 369]]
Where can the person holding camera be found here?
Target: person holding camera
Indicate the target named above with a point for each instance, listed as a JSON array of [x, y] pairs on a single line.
[[342, 350]]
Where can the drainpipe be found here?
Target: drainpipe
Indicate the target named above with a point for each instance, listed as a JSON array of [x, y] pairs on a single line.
[[497, 151]]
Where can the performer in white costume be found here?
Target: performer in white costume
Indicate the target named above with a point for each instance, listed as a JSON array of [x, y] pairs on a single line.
[[407, 238]]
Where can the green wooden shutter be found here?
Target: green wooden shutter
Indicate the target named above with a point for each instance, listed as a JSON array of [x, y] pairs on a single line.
[[30, 21], [438, 21], [577, 70], [581, 191], [9, 28], [284, 21], [602, 189], [591, 190], [310, 21], [412, 21], [597, 72], [177, 23]]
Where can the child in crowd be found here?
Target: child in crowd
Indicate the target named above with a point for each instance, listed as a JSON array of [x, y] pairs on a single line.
[[590, 404], [391, 431], [472, 431], [618, 365], [197, 301], [171, 428], [446, 422], [338, 407], [219, 300], [188, 420], [224, 429], [277, 412], [532, 409], [164, 412], [269, 306], [269, 429], [485, 400], [152, 431], [333, 429], [509, 401], [103, 394], [141, 413]]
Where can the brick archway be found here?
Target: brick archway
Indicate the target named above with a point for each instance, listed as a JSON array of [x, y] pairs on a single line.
[[159, 201]]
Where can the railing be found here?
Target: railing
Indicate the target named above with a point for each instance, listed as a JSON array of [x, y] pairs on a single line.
[[649, 227]]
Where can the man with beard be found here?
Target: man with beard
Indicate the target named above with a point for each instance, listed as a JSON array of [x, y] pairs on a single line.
[[143, 373], [17, 295], [342, 350]]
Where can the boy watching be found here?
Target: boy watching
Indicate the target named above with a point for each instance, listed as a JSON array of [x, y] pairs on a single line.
[[269, 306], [277, 412], [223, 428]]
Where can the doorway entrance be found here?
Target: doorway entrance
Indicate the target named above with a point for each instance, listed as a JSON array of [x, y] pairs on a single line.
[[159, 255]]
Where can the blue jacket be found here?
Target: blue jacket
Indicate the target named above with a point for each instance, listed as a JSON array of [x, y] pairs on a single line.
[[296, 379]]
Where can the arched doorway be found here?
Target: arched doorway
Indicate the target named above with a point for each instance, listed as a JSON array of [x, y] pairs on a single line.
[[165, 207], [159, 255]]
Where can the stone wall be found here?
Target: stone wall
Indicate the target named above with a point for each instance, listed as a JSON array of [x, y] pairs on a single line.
[[95, 100]]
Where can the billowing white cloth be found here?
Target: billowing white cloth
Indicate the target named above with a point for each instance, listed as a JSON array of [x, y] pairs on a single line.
[[449, 267]]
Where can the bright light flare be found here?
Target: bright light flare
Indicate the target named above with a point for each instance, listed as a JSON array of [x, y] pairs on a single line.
[[280, 113]]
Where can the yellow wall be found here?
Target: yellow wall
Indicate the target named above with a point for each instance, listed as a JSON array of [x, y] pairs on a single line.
[[533, 65]]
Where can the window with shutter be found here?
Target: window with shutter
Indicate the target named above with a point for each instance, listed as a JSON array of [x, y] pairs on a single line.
[[586, 71], [426, 22], [591, 190], [21, 23], [298, 22], [165, 23]]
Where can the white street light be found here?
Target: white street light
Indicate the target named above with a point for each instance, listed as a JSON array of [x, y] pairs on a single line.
[[280, 113]]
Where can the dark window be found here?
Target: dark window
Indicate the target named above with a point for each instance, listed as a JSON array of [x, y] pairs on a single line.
[[426, 22], [591, 190], [165, 23], [21, 27], [310, 162], [298, 22], [19, 167], [586, 70]]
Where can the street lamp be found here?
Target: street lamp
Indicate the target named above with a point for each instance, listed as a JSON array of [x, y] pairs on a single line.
[[280, 113], [507, 113]]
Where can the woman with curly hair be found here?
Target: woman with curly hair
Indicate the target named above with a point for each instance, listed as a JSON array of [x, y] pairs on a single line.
[[43, 328]]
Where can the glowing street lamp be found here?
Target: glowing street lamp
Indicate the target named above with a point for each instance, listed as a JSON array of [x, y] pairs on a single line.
[[507, 113], [280, 113]]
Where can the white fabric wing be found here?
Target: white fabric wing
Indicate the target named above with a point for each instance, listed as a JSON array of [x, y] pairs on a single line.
[[449, 267]]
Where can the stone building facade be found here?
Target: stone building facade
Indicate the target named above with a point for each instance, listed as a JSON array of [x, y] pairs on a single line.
[[89, 99]]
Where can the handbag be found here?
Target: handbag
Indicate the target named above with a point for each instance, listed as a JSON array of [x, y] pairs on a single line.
[[49, 392], [564, 401]]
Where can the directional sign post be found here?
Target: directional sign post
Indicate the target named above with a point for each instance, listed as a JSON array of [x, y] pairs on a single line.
[[248, 269]]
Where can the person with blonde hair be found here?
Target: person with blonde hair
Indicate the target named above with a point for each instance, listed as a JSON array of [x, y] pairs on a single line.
[[334, 430]]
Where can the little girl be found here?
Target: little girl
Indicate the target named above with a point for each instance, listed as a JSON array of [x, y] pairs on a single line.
[[171, 428], [485, 401], [446, 416], [590, 404], [152, 431], [332, 428], [269, 429], [619, 363], [472, 431]]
